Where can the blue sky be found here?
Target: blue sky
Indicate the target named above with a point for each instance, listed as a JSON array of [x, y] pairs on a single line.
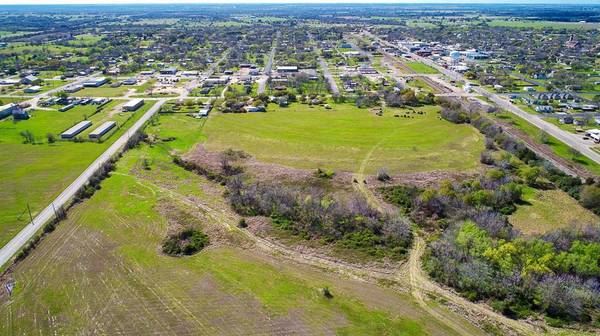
[[23, 2]]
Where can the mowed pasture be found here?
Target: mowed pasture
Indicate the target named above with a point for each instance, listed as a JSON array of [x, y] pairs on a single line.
[[348, 138], [36, 173], [421, 68], [102, 272], [547, 210]]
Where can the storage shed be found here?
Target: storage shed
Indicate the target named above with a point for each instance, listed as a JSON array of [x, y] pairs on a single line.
[[73, 131], [103, 129], [133, 105]]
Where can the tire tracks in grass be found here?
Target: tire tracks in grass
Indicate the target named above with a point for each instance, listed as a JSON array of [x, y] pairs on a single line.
[[420, 284]]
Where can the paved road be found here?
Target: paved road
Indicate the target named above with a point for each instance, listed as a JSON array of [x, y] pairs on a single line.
[[329, 77], [35, 99], [573, 140], [13, 246], [262, 82]]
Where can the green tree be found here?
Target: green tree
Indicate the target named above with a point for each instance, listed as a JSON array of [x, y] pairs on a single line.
[[28, 137], [51, 138], [473, 239], [590, 196], [582, 259]]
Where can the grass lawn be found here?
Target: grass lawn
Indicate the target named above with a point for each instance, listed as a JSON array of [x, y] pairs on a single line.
[[548, 210], [47, 85], [85, 40], [7, 100], [418, 83], [345, 136], [35, 174], [104, 91], [108, 276], [558, 147], [421, 68], [569, 127]]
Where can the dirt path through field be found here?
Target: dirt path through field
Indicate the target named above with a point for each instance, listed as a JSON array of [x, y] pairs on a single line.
[[420, 283]]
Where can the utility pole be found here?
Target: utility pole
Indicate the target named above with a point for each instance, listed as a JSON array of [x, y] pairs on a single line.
[[29, 209]]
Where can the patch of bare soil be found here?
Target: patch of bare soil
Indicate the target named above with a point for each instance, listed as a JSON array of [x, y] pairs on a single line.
[[180, 218], [262, 171], [260, 226], [423, 179]]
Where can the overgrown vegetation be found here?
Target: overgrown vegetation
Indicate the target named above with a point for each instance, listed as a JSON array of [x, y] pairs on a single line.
[[314, 214], [482, 256], [185, 242]]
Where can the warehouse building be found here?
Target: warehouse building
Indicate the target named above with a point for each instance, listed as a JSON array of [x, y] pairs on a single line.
[[133, 105], [33, 89], [73, 88], [103, 129], [73, 131], [8, 109], [66, 108], [169, 71], [95, 82]]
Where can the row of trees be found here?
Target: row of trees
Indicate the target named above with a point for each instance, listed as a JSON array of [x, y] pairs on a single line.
[[481, 255], [313, 213]]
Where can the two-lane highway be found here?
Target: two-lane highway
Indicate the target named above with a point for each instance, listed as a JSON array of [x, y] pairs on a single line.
[[13, 246]]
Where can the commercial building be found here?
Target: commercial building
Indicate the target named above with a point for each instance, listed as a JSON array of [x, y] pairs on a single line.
[[28, 80], [287, 68], [66, 108], [95, 82], [169, 71], [73, 131], [33, 89], [133, 105], [73, 88], [8, 109], [130, 81]]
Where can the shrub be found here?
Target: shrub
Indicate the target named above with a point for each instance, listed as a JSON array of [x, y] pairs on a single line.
[[324, 174], [590, 197], [186, 242], [383, 176], [313, 213], [401, 196]]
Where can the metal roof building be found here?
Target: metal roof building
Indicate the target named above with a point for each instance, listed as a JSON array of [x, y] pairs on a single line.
[[103, 129], [73, 131], [133, 105], [95, 82]]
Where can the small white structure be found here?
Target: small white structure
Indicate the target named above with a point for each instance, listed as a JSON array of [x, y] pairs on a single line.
[[287, 68]]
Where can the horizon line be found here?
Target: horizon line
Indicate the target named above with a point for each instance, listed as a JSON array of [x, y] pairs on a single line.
[[311, 2]]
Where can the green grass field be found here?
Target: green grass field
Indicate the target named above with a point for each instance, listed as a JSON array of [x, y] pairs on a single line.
[[547, 210], [345, 136], [35, 174], [535, 24], [8, 100], [104, 91], [101, 270], [46, 85], [421, 68]]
